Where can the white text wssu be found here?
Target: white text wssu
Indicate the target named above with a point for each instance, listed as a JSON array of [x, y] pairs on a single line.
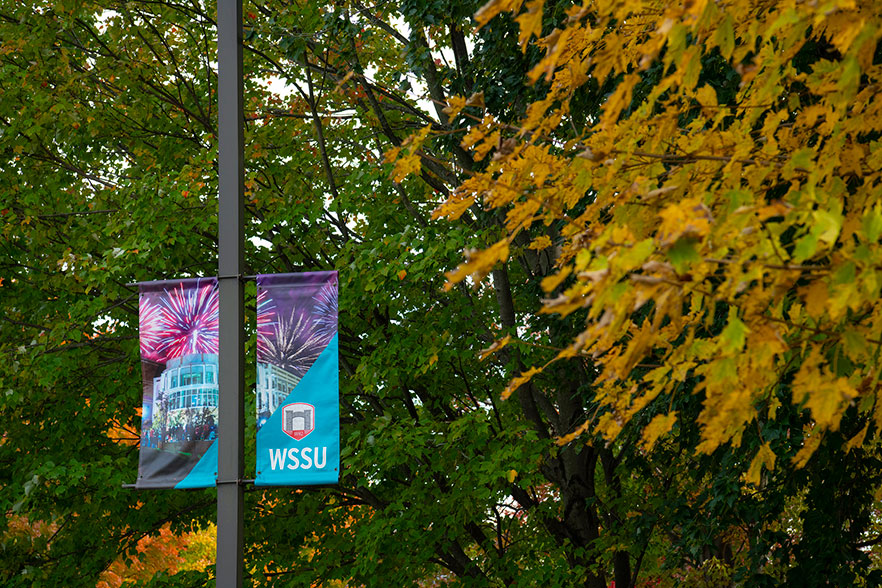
[[308, 458]]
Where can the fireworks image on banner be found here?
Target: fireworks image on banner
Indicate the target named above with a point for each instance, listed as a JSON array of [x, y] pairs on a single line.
[[266, 314], [149, 317], [325, 324], [292, 344], [181, 321], [190, 321]]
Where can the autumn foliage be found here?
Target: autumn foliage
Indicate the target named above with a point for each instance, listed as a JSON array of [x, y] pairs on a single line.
[[165, 552], [719, 219]]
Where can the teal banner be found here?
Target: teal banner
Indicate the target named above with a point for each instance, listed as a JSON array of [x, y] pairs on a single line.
[[298, 415]]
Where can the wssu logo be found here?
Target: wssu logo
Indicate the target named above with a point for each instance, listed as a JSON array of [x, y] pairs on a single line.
[[298, 420]]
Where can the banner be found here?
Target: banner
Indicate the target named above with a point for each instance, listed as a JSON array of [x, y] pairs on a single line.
[[179, 343], [298, 417]]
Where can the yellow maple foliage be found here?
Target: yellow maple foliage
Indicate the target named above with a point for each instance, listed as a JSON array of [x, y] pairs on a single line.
[[760, 197]]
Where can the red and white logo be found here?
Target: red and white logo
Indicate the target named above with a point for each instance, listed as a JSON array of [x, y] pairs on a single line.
[[298, 420]]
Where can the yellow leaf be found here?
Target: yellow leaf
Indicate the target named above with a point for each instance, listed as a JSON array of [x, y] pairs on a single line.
[[478, 263], [519, 381], [487, 144], [530, 22], [764, 457], [809, 446], [610, 425], [455, 104], [496, 346], [541, 242], [826, 397], [486, 13], [535, 114], [847, 28], [660, 425], [619, 99], [512, 474], [817, 295], [688, 217], [561, 441], [475, 134], [857, 440], [455, 206], [706, 95], [774, 405], [404, 166], [551, 282], [567, 353], [392, 154]]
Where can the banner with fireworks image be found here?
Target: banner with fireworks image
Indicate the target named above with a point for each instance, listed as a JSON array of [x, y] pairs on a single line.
[[179, 345], [298, 419]]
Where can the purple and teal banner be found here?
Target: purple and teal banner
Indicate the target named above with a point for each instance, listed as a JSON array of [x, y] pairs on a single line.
[[298, 417], [179, 344]]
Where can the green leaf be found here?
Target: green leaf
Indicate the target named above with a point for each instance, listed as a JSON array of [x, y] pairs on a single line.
[[683, 253], [724, 37], [872, 224], [733, 337]]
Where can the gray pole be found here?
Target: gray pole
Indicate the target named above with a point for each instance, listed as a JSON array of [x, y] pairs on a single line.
[[231, 381]]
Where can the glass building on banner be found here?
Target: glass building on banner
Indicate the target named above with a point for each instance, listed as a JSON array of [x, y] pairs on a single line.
[[189, 381], [273, 385]]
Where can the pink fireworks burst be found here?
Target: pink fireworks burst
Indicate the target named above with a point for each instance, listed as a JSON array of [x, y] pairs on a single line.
[[189, 321], [266, 315], [150, 322]]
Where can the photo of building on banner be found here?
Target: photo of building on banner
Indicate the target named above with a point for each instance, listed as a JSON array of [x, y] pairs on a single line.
[[298, 419], [179, 366]]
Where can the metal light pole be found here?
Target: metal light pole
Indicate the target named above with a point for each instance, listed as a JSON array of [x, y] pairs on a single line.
[[231, 382]]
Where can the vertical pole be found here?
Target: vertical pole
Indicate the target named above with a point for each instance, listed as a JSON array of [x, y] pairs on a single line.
[[231, 381]]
